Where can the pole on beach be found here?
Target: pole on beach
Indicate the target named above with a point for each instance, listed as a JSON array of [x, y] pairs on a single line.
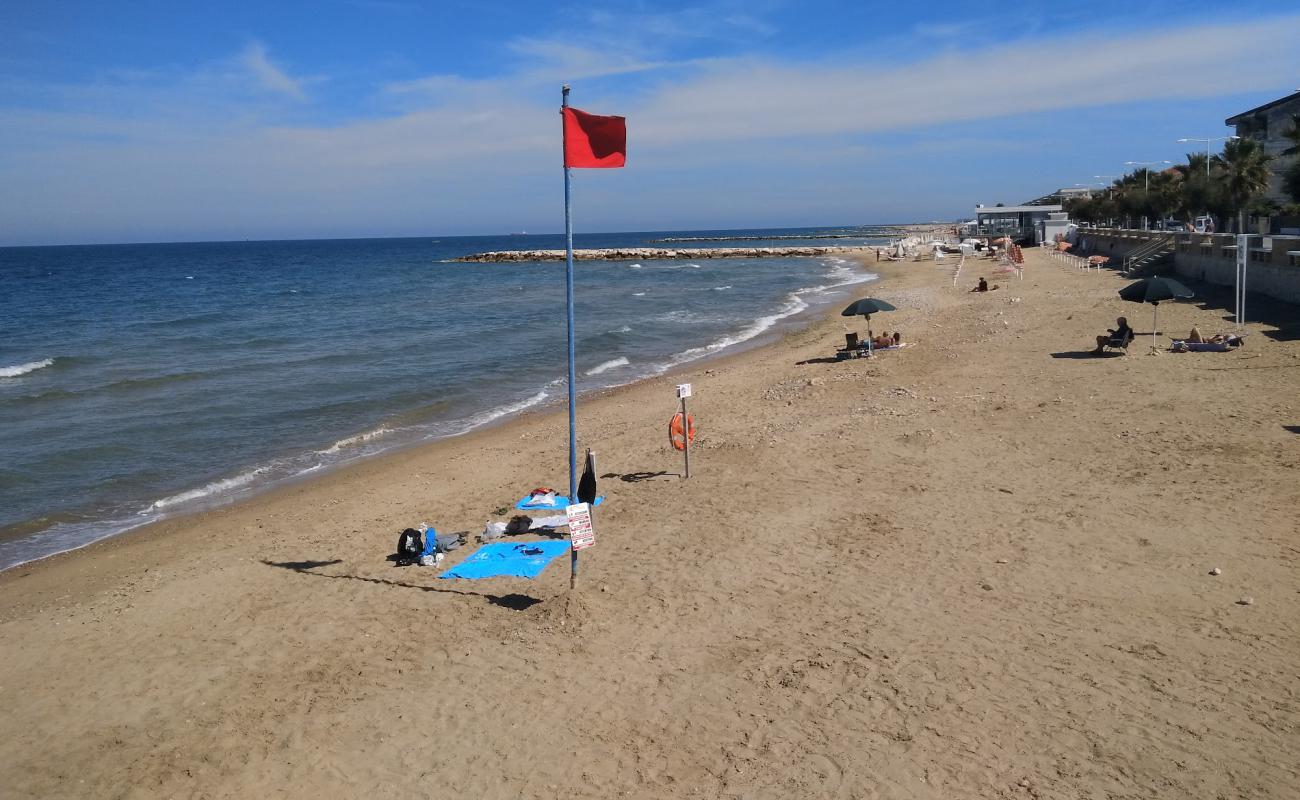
[[568, 306]]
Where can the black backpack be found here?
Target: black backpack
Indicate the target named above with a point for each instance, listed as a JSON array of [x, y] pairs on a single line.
[[409, 547]]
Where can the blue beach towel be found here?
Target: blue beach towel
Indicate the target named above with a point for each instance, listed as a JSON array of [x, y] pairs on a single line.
[[558, 505], [515, 559]]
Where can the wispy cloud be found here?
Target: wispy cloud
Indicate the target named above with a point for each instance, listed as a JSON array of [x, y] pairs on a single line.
[[268, 75], [147, 153]]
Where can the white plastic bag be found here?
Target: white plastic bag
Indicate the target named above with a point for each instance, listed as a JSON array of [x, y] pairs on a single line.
[[493, 530]]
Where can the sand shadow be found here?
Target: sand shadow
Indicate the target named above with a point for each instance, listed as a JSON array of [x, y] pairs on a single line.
[[514, 602], [1261, 309], [1086, 355], [636, 477], [823, 360], [1292, 428]]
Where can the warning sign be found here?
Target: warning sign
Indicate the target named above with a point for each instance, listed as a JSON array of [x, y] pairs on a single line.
[[581, 534]]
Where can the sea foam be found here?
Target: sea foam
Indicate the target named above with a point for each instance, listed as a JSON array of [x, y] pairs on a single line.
[[23, 369], [215, 488], [607, 366]]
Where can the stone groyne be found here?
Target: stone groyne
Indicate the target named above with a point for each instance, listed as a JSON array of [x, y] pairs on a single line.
[[654, 253], [782, 237]]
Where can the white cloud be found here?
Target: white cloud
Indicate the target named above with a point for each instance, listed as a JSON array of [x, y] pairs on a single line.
[[200, 151], [268, 75]]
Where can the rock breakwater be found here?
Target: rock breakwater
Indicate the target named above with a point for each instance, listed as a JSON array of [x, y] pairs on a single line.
[[649, 253]]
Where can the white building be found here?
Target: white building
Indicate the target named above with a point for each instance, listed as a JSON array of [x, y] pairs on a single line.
[[1266, 124], [1018, 222]]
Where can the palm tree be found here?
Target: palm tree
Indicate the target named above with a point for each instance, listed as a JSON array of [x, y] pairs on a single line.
[[1244, 165]]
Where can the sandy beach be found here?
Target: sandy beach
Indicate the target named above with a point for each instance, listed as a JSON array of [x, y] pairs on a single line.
[[975, 567]]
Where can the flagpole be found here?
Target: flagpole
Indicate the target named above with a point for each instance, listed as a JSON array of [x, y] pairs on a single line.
[[568, 303]]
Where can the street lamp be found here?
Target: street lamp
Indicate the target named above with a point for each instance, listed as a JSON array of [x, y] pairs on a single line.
[[1147, 186], [1208, 142]]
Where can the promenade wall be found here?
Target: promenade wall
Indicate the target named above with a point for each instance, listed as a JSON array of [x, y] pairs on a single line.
[[1212, 257]]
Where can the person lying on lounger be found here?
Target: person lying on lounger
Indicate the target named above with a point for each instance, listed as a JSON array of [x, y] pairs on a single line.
[[1114, 335]]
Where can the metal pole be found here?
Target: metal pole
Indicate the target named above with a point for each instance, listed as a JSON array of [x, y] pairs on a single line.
[[686, 435], [568, 305], [1155, 326], [1243, 262]]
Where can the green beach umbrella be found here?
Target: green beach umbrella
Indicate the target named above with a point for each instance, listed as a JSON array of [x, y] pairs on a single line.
[[865, 308], [1154, 290]]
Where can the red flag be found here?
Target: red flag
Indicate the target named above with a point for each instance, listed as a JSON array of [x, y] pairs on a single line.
[[592, 141]]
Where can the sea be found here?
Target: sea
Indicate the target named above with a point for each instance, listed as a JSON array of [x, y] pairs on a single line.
[[142, 381]]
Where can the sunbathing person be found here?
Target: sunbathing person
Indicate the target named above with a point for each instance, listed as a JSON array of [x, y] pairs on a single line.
[[984, 286], [1116, 335], [883, 340], [1195, 336]]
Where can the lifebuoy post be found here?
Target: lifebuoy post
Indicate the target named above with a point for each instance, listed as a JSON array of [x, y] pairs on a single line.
[[683, 392]]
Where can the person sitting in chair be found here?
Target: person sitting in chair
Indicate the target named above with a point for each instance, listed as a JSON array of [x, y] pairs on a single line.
[[1114, 335]]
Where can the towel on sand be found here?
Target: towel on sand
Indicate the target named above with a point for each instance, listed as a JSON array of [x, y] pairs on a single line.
[[558, 504], [514, 559]]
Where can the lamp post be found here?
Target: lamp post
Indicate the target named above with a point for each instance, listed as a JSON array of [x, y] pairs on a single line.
[[1146, 182], [1208, 142], [1109, 186], [1148, 164]]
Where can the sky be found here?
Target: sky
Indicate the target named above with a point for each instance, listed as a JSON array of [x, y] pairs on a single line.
[[180, 121]]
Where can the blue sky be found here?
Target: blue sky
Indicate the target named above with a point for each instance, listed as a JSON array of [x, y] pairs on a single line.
[[167, 121]]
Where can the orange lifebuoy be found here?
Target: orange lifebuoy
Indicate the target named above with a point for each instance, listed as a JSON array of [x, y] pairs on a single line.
[[679, 436]]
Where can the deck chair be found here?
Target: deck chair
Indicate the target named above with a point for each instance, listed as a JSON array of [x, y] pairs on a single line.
[[852, 348], [1120, 344]]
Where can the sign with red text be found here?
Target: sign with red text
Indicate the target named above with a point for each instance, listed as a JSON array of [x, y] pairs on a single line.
[[581, 534]]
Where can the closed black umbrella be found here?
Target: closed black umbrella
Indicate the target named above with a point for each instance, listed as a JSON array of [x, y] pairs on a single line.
[[865, 308], [587, 484], [1154, 290]]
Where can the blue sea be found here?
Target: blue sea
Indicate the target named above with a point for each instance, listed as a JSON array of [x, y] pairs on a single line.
[[143, 381]]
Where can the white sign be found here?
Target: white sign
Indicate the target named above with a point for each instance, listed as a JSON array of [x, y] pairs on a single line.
[[581, 534], [683, 390]]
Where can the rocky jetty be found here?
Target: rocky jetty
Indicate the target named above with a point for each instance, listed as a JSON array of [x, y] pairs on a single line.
[[786, 237], [654, 253]]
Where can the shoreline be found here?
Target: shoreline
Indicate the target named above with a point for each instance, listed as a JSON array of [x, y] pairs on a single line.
[[984, 561], [241, 494]]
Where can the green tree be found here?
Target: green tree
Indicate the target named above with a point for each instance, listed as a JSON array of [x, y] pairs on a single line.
[[1243, 165]]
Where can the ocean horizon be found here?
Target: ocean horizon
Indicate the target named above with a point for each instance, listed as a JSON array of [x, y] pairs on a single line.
[[142, 381]]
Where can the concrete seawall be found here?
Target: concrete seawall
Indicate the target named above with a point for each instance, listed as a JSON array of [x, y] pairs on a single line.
[[657, 253], [1212, 258]]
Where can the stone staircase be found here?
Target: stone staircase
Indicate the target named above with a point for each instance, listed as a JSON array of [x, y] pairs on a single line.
[[1150, 257]]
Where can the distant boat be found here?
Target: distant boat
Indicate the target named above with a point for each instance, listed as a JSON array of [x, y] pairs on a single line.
[[521, 233]]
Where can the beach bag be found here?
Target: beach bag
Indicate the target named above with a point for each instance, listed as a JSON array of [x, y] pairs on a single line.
[[410, 546], [519, 524]]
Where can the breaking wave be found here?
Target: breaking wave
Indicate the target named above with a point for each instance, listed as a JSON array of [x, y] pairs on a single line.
[[607, 366], [23, 369]]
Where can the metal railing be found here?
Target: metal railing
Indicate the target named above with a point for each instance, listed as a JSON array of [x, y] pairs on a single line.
[[1148, 251]]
